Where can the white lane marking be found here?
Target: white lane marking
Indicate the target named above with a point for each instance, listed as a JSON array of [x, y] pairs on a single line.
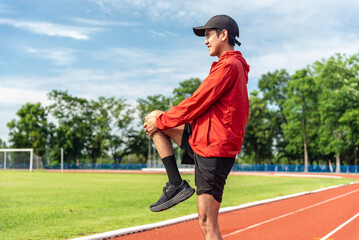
[[130, 230], [340, 227], [290, 213]]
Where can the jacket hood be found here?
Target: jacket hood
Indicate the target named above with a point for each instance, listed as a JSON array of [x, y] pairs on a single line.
[[238, 55]]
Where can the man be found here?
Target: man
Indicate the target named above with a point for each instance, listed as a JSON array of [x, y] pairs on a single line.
[[208, 126]]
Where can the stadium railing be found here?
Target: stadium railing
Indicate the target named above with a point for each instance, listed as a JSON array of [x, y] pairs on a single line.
[[236, 167], [294, 168]]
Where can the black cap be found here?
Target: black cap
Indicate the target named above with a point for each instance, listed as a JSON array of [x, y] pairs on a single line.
[[219, 22]]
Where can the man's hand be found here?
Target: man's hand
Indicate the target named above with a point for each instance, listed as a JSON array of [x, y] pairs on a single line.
[[150, 123]]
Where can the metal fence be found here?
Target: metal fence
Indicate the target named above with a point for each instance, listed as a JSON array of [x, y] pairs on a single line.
[[294, 168], [236, 167]]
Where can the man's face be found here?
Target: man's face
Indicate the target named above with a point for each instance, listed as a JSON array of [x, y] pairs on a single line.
[[213, 42]]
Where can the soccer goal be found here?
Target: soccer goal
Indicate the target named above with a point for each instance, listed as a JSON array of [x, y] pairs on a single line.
[[17, 158], [29, 158]]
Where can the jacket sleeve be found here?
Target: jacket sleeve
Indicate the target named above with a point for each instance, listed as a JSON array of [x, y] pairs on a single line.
[[219, 80]]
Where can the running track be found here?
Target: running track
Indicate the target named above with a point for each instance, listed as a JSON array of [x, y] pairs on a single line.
[[327, 215]]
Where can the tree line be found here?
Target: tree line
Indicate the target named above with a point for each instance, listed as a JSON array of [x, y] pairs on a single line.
[[310, 117]]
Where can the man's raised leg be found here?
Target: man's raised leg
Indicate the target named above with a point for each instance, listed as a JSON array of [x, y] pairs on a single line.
[[164, 148], [176, 190]]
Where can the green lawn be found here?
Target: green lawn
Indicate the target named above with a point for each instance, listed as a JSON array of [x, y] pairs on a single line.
[[42, 205]]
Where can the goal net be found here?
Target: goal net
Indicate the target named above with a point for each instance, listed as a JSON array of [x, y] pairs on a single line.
[[28, 158], [17, 158]]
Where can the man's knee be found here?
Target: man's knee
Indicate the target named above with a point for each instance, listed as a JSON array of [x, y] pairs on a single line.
[[208, 226], [206, 222], [203, 222], [202, 219]]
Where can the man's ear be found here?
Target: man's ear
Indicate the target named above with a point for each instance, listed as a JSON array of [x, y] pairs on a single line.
[[224, 35]]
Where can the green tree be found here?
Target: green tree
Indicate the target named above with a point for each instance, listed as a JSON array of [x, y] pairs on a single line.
[[114, 119], [350, 127], [349, 121], [90, 127], [333, 76], [31, 129], [300, 111], [258, 139], [274, 88], [138, 143], [73, 128], [185, 90], [151, 103], [2, 143], [97, 118]]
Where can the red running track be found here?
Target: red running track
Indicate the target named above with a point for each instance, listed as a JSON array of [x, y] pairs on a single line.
[[328, 215]]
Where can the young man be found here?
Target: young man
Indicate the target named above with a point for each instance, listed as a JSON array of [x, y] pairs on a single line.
[[208, 126]]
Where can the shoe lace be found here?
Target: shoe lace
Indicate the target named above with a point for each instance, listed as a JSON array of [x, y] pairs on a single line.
[[164, 191]]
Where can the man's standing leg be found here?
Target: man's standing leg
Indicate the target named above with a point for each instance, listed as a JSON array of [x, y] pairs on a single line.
[[208, 209], [211, 175]]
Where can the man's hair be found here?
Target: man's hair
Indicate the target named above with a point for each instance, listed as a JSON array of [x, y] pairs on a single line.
[[230, 38]]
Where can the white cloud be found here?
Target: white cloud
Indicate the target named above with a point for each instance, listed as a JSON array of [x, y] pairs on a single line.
[[194, 10], [128, 72], [11, 99], [275, 34], [51, 29], [295, 56], [5, 9], [268, 27], [154, 9], [164, 34], [58, 56], [169, 67], [5, 117], [105, 23], [10, 95], [119, 83]]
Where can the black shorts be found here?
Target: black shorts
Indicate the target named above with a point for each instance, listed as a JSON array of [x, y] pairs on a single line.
[[210, 173]]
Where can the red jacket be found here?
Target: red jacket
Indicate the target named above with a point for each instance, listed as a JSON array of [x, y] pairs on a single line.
[[218, 109]]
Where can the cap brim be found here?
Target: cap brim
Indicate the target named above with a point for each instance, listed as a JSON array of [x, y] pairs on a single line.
[[200, 31]]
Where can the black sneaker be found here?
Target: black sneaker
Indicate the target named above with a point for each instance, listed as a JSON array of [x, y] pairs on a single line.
[[172, 195]]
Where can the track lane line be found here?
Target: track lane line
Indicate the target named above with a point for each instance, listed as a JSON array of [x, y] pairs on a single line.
[[340, 227], [145, 231], [290, 213]]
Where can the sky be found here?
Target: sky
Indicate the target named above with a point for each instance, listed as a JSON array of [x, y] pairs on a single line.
[[137, 48]]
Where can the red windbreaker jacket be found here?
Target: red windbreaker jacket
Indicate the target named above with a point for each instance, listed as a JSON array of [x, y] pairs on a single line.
[[218, 109]]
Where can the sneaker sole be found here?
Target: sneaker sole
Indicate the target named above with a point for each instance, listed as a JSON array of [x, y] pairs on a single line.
[[180, 197]]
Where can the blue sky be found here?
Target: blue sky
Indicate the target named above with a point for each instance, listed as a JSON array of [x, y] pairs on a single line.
[[136, 48]]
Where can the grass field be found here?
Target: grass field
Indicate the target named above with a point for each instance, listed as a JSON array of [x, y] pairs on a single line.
[[42, 205]]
